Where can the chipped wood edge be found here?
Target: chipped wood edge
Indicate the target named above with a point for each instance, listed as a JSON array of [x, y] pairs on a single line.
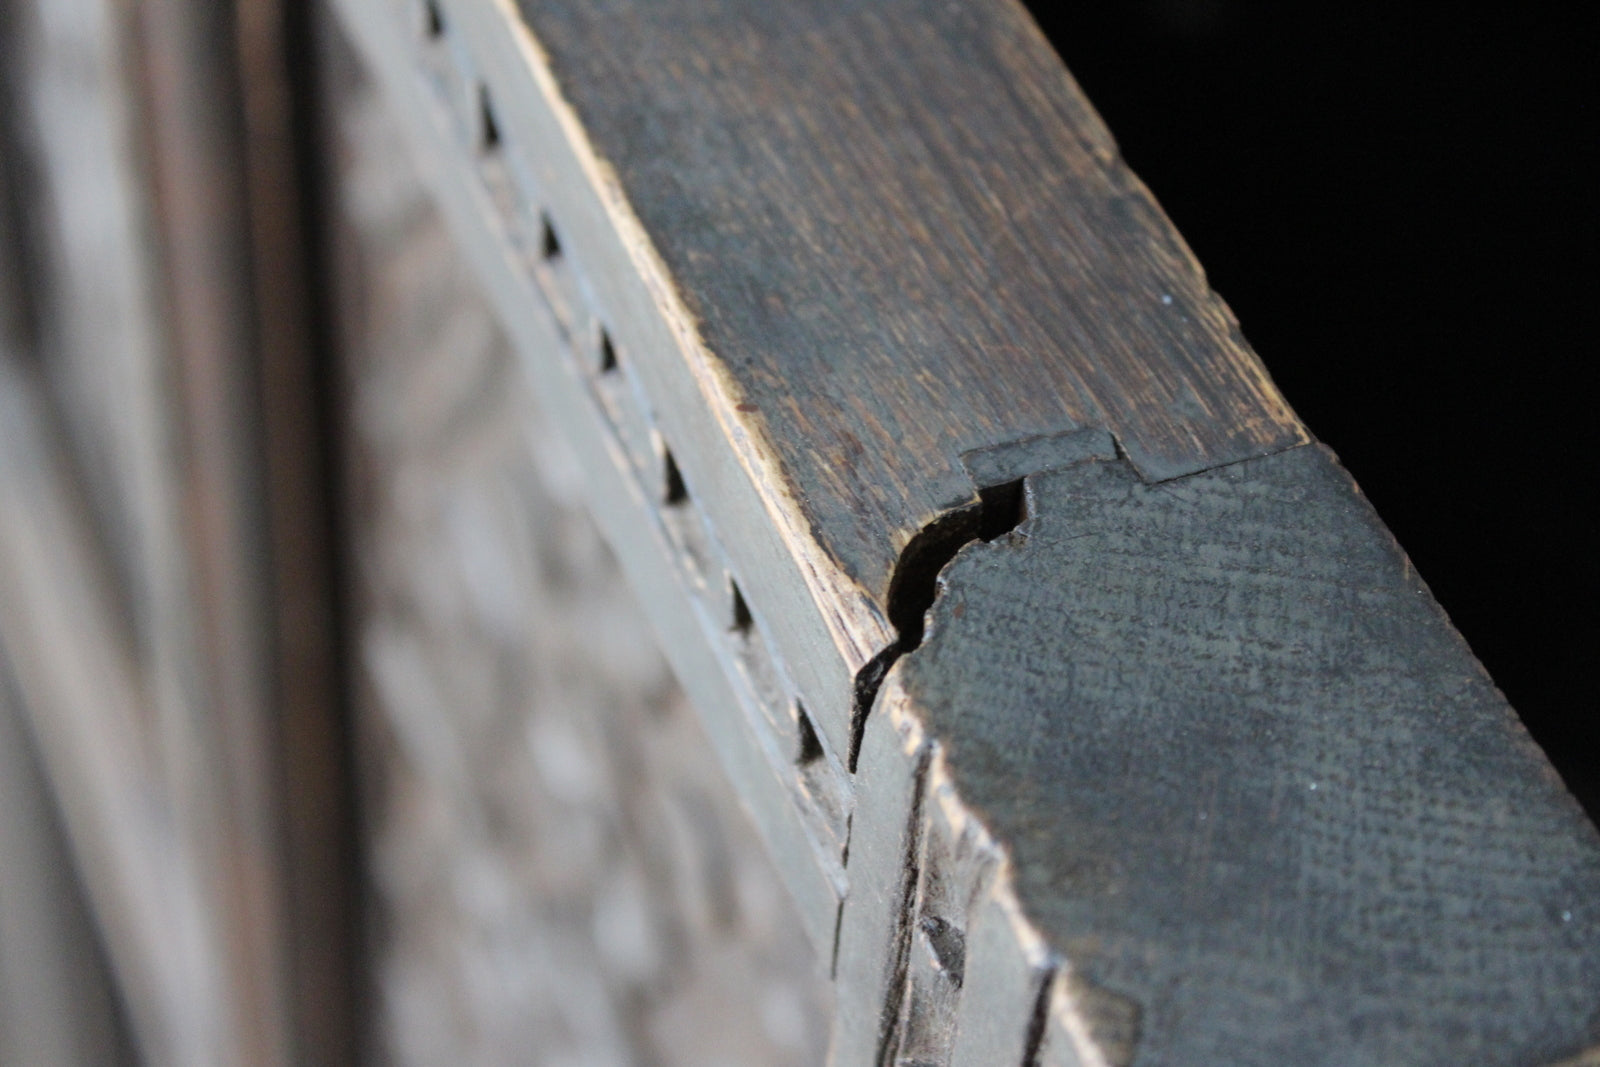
[[1058, 1023]]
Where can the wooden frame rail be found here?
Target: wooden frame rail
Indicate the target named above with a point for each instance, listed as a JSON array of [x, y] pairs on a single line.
[[1087, 710]]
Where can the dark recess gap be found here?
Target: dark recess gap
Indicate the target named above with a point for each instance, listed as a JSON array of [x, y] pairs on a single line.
[[608, 352], [432, 20], [549, 242], [1004, 508], [1397, 199], [673, 491], [740, 610], [810, 745], [316, 54], [915, 584], [488, 127]]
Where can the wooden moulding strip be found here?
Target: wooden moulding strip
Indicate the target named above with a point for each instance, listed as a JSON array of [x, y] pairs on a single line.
[[548, 308], [825, 624]]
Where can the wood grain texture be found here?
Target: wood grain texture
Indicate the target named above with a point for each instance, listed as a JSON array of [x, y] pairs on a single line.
[[616, 423], [1253, 783], [904, 234], [858, 265]]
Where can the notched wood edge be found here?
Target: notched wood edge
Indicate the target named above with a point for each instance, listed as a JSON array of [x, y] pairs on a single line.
[[997, 504]]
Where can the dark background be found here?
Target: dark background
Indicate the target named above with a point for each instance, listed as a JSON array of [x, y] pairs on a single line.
[[1397, 201]]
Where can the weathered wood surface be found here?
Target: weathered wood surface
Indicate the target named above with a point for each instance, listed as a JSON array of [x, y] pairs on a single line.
[[853, 291], [811, 290], [904, 235]]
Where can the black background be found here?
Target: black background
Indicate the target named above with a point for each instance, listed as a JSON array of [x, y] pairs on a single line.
[[1397, 201]]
